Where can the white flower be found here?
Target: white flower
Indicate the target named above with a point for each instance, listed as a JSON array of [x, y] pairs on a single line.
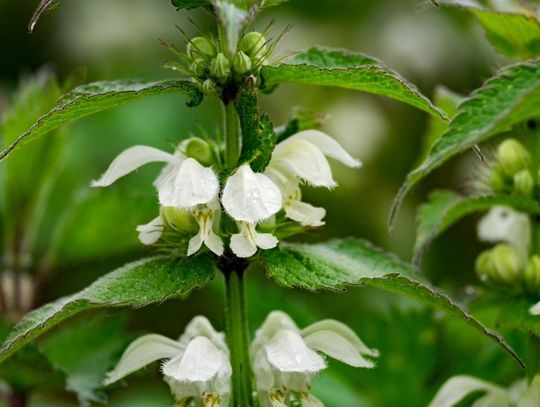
[[457, 388], [250, 198], [301, 158], [183, 183], [503, 224], [196, 366], [285, 358], [535, 309]]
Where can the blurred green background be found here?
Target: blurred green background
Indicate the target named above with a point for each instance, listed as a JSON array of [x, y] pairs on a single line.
[[108, 39]]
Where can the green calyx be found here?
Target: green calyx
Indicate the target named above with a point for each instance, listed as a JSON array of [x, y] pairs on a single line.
[[502, 264], [512, 157]]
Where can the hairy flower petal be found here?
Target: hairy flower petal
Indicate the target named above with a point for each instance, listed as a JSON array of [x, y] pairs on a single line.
[[151, 232]]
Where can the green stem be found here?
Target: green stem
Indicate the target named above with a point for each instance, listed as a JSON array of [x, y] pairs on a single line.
[[238, 339], [232, 134]]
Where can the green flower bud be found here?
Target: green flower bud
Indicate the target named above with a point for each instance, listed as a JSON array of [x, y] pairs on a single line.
[[220, 66], [198, 149], [209, 87], [179, 219], [512, 157], [524, 182], [253, 44], [484, 265], [506, 263], [200, 47], [241, 63], [496, 180], [532, 274]]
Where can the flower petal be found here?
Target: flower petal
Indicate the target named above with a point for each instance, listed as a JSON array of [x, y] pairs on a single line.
[[289, 353], [342, 330], [201, 326], [200, 362], [503, 224], [535, 309], [131, 159], [151, 232], [242, 247], [305, 160], [305, 214], [193, 185], [459, 387], [531, 396], [337, 347], [141, 352], [274, 322], [328, 146], [311, 401], [251, 197], [266, 241]]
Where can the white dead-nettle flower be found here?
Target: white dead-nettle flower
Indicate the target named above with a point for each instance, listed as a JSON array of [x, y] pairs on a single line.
[[457, 388], [183, 183], [301, 158], [504, 224], [250, 198], [196, 366], [286, 359]]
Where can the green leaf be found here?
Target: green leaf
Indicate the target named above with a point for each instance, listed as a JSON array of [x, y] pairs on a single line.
[[510, 97], [85, 352], [244, 4], [446, 208], [514, 33], [189, 4], [300, 119], [515, 315], [343, 69], [137, 284], [95, 97], [349, 262], [258, 137]]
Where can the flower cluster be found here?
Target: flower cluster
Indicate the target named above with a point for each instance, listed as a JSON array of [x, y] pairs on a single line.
[[458, 388], [285, 360], [211, 66], [194, 200]]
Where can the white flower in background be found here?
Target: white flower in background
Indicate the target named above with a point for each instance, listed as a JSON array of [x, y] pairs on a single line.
[[196, 366], [183, 183], [301, 158], [285, 358], [503, 224], [457, 388], [250, 198]]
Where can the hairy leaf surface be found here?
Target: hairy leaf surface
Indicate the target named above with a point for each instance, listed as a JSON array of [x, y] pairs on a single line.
[[95, 97], [343, 69], [446, 208], [349, 262], [137, 284], [510, 97]]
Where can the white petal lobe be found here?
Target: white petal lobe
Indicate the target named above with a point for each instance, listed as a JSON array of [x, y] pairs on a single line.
[[251, 197], [151, 232], [328, 146], [130, 160], [288, 352], [458, 387]]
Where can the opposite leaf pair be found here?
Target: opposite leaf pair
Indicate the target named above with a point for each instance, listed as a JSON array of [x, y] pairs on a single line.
[[285, 360], [248, 197]]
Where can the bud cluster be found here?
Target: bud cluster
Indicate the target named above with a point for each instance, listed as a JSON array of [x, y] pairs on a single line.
[[210, 65], [512, 171]]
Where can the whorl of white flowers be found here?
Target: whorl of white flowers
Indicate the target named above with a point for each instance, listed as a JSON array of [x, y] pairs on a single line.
[[196, 366], [190, 184], [286, 359]]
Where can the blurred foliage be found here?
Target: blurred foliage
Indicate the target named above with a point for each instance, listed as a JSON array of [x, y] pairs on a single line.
[[420, 349]]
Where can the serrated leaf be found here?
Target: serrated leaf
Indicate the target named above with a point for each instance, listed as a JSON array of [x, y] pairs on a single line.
[[349, 262], [245, 4], [515, 315], [85, 351], [510, 97], [137, 284], [514, 33], [258, 137], [446, 208], [347, 70], [190, 4], [95, 97]]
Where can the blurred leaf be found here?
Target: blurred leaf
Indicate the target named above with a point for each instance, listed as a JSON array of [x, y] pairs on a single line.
[[85, 352], [137, 284], [189, 4], [510, 97], [258, 137], [95, 97], [445, 208], [334, 391], [448, 101], [349, 262], [514, 314], [343, 69], [513, 33]]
